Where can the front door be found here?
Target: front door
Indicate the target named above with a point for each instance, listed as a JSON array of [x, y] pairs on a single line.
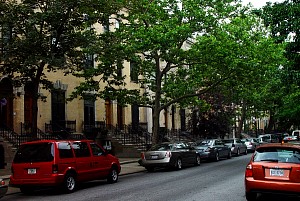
[[108, 113], [120, 116], [89, 115], [58, 109], [135, 113], [6, 103]]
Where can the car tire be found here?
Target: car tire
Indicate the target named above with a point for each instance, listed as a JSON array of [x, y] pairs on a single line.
[[198, 160], [251, 196], [178, 164], [217, 157], [229, 154], [27, 190], [113, 175], [246, 152], [69, 184]]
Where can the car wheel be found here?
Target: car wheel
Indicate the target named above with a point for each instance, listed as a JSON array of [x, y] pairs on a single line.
[[238, 152], [198, 160], [69, 184], [150, 169], [251, 196], [113, 175], [217, 158], [178, 164], [229, 154], [27, 190], [246, 152]]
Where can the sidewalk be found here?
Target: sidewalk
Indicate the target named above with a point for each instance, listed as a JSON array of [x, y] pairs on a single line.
[[128, 166]]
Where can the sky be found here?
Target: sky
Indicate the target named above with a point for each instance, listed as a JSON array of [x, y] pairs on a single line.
[[260, 3]]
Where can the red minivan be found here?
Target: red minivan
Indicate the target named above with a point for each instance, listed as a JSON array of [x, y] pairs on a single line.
[[61, 163]]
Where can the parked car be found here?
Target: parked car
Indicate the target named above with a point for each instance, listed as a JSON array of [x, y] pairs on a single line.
[[61, 163], [290, 138], [212, 149], [296, 133], [251, 143], [170, 155], [3, 188], [273, 168], [268, 138], [236, 146]]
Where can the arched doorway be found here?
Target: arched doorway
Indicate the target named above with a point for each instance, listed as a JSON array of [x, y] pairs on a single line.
[[6, 103]]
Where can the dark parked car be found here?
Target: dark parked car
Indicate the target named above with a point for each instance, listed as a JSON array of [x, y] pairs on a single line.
[[170, 155], [236, 145], [213, 149]]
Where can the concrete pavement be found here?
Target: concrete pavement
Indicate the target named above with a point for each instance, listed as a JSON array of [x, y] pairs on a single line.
[[128, 166]]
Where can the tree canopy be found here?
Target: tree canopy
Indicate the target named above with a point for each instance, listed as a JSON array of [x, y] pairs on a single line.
[[184, 50]]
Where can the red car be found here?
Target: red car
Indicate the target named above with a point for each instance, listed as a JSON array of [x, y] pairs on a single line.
[[273, 168], [61, 163]]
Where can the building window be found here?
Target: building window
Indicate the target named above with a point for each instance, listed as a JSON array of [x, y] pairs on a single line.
[[6, 35], [106, 25], [89, 61], [119, 68], [134, 73]]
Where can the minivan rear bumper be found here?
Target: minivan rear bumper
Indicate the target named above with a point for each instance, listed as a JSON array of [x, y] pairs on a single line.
[[53, 180]]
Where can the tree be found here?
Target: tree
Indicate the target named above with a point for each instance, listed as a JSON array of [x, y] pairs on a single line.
[[282, 19], [43, 36], [182, 50]]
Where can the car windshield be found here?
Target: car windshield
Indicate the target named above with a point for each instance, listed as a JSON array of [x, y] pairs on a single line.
[[41, 152], [265, 138], [275, 154], [205, 143], [161, 147]]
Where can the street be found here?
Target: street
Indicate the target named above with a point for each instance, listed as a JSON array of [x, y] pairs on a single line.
[[211, 181]]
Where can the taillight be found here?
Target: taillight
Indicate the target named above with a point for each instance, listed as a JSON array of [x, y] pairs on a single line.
[[168, 154], [249, 171], [2, 183], [142, 155], [54, 168]]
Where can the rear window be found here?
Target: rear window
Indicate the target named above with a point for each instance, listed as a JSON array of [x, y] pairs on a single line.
[[41, 152], [161, 147], [206, 143], [285, 155], [65, 150], [228, 141]]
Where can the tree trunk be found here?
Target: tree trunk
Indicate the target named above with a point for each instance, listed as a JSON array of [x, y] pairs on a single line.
[[271, 124], [155, 119], [36, 83], [241, 121]]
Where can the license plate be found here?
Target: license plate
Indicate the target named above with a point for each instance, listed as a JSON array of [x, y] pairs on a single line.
[[154, 157], [277, 172], [31, 171]]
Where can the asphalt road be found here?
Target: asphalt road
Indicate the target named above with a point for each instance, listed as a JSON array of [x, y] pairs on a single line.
[[211, 181]]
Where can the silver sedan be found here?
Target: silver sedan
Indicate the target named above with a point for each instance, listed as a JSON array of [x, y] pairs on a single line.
[[170, 155]]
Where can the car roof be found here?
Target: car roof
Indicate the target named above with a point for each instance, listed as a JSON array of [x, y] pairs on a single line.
[[54, 141], [285, 145]]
